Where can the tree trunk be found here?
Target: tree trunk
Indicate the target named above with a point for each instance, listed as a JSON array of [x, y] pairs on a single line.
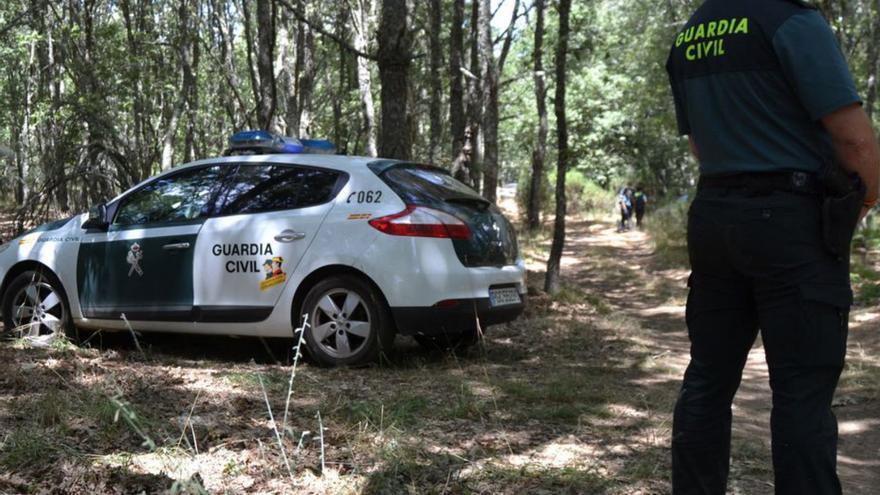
[[873, 61], [474, 109], [436, 96], [249, 53], [305, 74], [265, 50], [456, 88], [227, 52], [394, 61], [361, 33], [490, 103], [540, 151], [551, 284], [187, 51]]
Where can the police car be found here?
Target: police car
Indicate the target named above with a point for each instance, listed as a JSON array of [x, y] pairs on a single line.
[[247, 243]]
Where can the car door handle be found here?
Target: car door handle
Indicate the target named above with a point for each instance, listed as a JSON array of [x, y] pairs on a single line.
[[290, 236], [176, 246]]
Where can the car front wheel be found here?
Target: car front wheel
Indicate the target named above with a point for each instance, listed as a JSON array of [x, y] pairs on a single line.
[[35, 304], [348, 322]]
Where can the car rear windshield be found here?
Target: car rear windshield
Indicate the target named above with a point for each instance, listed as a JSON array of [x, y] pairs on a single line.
[[421, 184]]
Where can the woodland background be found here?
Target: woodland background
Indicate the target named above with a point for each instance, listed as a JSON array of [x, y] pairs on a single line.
[[97, 95]]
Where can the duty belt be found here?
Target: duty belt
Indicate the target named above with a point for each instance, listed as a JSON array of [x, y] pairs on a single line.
[[758, 183]]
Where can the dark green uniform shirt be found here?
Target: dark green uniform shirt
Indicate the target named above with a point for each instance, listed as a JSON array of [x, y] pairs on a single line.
[[751, 80]]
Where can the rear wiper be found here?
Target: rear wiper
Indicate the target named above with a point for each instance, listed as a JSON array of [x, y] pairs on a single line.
[[475, 200]]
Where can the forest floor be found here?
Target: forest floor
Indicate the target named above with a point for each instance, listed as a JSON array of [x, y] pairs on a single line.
[[574, 397]]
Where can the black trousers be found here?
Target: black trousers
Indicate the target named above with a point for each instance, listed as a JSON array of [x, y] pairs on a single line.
[[758, 264]]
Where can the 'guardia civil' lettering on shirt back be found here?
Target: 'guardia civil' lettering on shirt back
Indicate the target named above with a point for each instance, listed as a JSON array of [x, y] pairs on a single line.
[[706, 39]]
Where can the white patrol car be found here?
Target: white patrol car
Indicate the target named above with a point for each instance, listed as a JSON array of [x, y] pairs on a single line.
[[247, 243]]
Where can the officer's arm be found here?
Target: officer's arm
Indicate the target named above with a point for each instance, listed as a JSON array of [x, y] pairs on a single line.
[[856, 146], [693, 147]]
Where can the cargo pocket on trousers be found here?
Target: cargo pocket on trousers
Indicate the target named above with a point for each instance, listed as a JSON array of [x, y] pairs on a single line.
[[825, 313]]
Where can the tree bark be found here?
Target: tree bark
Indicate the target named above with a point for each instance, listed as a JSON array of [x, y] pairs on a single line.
[[188, 51], [456, 88], [873, 62], [471, 166], [540, 151], [551, 283], [305, 78], [490, 103], [361, 19], [435, 84], [265, 55], [394, 61]]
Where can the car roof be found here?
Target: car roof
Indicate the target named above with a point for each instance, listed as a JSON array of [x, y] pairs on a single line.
[[340, 162]]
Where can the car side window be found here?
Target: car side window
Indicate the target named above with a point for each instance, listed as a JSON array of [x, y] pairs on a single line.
[[172, 199], [258, 188]]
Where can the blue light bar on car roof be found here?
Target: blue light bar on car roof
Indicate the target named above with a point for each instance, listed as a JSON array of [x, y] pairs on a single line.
[[265, 142]]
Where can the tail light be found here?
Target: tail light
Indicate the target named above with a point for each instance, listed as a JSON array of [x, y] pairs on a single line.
[[419, 221]]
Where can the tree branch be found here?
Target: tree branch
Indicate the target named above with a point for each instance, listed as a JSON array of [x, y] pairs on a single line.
[[323, 32]]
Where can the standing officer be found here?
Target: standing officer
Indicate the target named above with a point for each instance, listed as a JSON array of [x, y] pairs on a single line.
[[764, 94]]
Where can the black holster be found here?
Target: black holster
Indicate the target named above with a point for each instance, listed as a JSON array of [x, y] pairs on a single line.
[[843, 198]]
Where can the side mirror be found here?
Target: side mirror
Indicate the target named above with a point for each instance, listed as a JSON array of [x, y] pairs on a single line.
[[97, 218]]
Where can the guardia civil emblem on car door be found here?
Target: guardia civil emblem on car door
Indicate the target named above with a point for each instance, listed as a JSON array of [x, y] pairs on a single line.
[[134, 257], [274, 274]]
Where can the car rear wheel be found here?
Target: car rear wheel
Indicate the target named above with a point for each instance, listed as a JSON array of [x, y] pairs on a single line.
[[35, 304], [348, 322]]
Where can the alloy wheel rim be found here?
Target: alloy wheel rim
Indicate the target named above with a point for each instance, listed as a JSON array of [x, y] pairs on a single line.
[[341, 323], [37, 309]]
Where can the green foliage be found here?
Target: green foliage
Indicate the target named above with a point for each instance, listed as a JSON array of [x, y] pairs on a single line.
[[585, 196], [667, 226]]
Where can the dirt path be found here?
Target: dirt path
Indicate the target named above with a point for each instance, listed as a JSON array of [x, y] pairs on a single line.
[[623, 269]]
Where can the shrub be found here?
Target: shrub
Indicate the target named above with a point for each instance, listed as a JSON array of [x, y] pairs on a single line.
[[667, 226], [582, 195]]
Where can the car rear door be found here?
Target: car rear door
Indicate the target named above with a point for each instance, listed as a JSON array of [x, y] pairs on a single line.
[[267, 219], [142, 264]]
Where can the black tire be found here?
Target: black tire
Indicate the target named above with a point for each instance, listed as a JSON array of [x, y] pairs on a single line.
[[21, 316], [449, 341], [337, 338]]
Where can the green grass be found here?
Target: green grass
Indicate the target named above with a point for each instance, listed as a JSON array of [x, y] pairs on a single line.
[[400, 411], [28, 446], [537, 479]]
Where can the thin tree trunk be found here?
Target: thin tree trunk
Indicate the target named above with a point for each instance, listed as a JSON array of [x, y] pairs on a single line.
[[436, 96], [540, 151], [265, 48], [474, 109], [187, 49], [456, 89], [227, 48], [394, 61], [551, 283], [249, 54], [490, 103], [873, 61], [305, 73], [282, 72], [361, 19]]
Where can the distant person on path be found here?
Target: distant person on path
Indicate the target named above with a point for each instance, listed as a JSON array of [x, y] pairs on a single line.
[[641, 201], [625, 206], [764, 94]]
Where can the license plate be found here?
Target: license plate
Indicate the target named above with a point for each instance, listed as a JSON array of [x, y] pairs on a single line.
[[504, 296]]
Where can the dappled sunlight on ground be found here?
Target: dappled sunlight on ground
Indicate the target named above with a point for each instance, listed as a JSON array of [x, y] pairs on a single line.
[[574, 398]]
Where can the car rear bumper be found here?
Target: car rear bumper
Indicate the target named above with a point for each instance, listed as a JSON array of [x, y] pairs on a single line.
[[436, 320]]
